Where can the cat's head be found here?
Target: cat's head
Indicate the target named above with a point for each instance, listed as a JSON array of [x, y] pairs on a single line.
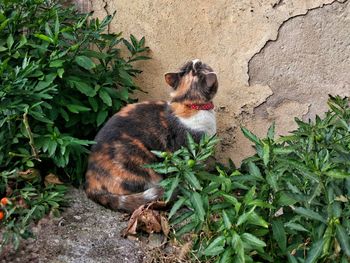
[[195, 82]]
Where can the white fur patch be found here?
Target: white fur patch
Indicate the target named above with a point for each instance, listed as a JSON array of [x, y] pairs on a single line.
[[150, 194], [122, 200], [195, 61], [204, 121]]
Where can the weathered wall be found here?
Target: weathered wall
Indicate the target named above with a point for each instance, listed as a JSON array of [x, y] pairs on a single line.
[[261, 81]]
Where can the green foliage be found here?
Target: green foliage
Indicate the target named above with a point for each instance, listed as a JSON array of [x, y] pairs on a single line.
[[288, 202], [61, 77], [29, 202]]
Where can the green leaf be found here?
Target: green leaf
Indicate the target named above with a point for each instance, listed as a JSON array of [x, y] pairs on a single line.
[[94, 54], [255, 219], [45, 38], [56, 63], [105, 97], [271, 131], [295, 226], [327, 239], [60, 72], [279, 234], [252, 137], [9, 41], [237, 245], [308, 213], [254, 170], [85, 62], [252, 240], [301, 168], [266, 153], [77, 108], [181, 217], [187, 228], [126, 78], [197, 203], [337, 174], [52, 145], [216, 247], [192, 180], [226, 219], [101, 117], [93, 102], [85, 88], [291, 259], [227, 256], [233, 201], [191, 144], [57, 25], [174, 184], [134, 41], [176, 206], [243, 218], [343, 239], [4, 24], [315, 252]]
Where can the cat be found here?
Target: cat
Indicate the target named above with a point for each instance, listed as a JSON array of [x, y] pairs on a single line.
[[116, 176]]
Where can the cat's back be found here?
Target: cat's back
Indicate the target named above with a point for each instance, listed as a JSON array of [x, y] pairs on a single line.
[[143, 121]]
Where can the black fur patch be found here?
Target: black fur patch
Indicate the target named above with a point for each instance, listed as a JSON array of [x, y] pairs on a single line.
[[133, 186], [92, 166]]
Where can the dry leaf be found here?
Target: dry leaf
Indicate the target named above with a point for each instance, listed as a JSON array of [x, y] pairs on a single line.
[[52, 179], [165, 225], [148, 219], [185, 249], [29, 174], [132, 224]]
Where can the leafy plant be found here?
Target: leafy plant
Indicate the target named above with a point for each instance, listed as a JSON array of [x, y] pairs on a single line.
[[61, 78], [223, 222], [288, 202], [308, 176]]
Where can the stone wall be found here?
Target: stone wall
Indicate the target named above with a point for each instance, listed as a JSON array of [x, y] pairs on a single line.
[[275, 59]]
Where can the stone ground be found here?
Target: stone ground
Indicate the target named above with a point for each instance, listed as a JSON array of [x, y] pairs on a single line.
[[85, 232]]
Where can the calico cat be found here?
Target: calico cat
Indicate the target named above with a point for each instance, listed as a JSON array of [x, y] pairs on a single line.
[[116, 176]]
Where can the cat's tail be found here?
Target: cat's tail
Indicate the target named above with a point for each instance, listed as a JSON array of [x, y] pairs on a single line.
[[126, 203]]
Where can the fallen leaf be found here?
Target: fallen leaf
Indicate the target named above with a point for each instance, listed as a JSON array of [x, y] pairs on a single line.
[[165, 225], [132, 224], [148, 219], [52, 179], [29, 174], [184, 250]]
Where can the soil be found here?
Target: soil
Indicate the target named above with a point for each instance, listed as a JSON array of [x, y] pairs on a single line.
[[85, 232]]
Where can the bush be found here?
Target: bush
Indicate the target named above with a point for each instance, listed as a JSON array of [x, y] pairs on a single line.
[[62, 76], [290, 201]]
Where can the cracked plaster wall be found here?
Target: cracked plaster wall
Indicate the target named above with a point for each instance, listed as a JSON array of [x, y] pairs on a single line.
[[260, 80]]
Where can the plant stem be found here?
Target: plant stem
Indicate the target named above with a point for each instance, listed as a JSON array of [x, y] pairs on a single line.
[[30, 135]]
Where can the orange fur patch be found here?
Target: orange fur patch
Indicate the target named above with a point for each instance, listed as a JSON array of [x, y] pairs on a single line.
[[181, 110], [124, 112]]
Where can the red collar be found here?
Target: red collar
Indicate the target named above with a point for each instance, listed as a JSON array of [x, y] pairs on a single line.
[[207, 106]]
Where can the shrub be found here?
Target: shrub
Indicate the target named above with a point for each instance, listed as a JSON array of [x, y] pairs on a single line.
[[290, 201], [62, 76]]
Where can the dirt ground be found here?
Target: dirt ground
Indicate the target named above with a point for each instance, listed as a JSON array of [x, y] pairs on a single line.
[[85, 232]]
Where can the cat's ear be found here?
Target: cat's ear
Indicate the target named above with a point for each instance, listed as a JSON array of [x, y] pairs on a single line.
[[211, 79], [172, 79]]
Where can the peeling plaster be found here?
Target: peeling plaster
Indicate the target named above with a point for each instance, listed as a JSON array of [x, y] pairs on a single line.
[[325, 25], [279, 3]]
